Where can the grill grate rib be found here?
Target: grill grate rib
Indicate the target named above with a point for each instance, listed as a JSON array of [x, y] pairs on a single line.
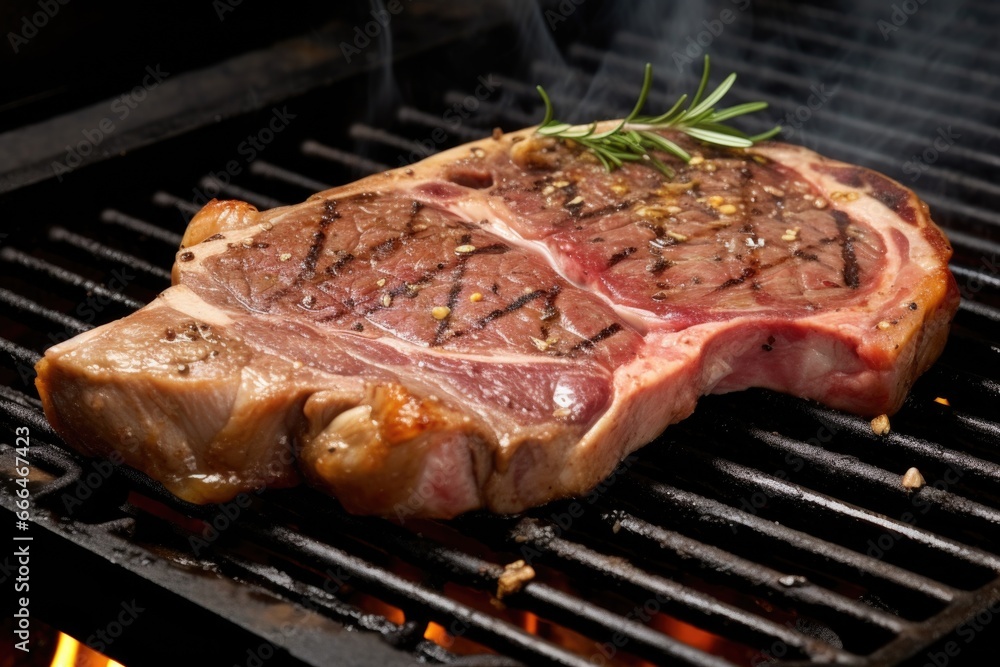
[[683, 525]]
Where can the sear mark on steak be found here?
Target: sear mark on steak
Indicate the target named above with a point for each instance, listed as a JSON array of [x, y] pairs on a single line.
[[500, 324]]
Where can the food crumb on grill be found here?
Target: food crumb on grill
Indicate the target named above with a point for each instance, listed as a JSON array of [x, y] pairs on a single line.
[[792, 580], [285, 256], [880, 425], [476, 297], [465, 249], [440, 312], [912, 479], [515, 576]]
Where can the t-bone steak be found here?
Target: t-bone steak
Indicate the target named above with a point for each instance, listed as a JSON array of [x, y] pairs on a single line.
[[500, 324]]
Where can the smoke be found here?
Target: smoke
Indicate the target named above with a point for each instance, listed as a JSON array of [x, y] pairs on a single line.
[[908, 87]]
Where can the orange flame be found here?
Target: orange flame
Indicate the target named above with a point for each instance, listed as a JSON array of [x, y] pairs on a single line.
[[71, 653]]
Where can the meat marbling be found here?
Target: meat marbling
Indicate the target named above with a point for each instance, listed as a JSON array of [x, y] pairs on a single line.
[[500, 324]]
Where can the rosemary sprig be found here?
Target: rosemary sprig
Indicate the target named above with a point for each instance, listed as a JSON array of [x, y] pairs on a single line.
[[634, 138]]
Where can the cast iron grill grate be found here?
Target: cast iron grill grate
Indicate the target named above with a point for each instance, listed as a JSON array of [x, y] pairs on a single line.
[[764, 528]]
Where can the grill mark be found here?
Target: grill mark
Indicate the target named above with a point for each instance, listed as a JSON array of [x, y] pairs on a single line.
[[511, 307], [308, 266], [492, 249], [588, 344], [549, 310], [342, 261], [748, 272], [852, 272], [620, 255], [605, 210], [456, 289], [658, 265], [409, 290]]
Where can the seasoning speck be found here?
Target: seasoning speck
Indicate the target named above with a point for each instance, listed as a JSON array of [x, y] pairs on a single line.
[[548, 189], [285, 256], [575, 201], [790, 234], [476, 297], [440, 312], [819, 203], [560, 413], [539, 343], [883, 325], [386, 300], [266, 226], [186, 256], [465, 249], [677, 236], [696, 160], [478, 152], [912, 479], [182, 368], [880, 425], [715, 201], [727, 209], [380, 282]]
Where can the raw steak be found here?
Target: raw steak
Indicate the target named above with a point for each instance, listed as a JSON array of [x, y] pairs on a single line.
[[499, 325]]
